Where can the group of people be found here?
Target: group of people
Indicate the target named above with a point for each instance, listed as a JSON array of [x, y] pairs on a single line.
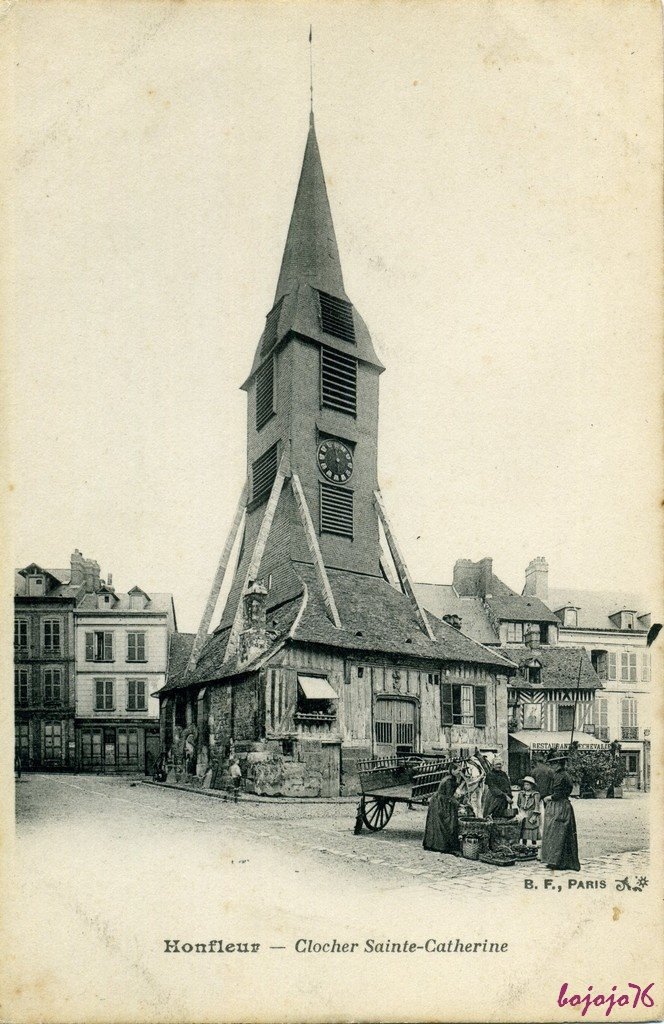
[[543, 806]]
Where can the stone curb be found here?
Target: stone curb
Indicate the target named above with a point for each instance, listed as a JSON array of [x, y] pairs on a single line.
[[253, 798]]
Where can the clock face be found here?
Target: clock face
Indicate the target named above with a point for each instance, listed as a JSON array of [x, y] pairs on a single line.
[[335, 461]]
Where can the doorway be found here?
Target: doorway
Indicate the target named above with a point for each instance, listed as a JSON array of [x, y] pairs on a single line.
[[394, 726]]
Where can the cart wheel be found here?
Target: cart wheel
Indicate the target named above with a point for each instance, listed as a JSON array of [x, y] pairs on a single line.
[[376, 812]]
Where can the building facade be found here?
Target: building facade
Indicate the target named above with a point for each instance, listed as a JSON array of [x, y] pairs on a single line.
[[551, 698], [87, 663], [616, 630], [121, 643], [323, 654], [44, 669]]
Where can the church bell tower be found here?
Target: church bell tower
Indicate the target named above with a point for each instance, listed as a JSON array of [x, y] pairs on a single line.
[[311, 502], [313, 396]]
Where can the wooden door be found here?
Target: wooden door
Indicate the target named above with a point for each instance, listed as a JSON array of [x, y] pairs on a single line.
[[394, 727], [152, 747], [331, 762]]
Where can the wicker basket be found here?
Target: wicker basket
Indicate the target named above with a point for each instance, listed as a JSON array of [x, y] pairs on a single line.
[[505, 833], [476, 828]]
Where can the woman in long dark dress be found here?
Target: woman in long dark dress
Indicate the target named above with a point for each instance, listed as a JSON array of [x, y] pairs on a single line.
[[441, 831], [560, 847], [498, 796]]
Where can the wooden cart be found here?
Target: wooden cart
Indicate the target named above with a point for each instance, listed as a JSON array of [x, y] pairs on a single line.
[[387, 781]]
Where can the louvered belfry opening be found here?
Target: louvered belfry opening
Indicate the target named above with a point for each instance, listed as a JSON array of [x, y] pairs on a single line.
[[336, 510], [265, 393], [336, 317], [271, 324], [263, 472], [338, 381]]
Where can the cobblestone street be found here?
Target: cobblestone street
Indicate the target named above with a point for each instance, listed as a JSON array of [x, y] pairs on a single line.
[[118, 867], [612, 834]]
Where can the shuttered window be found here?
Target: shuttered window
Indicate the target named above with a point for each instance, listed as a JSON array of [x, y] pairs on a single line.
[[263, 473], [136, 695], [452, 706], [338, 381], [265, 393], [336, 510], [271, 324], [136, 650], [99, 646], [336, 317], [480, 706], [104, 695]]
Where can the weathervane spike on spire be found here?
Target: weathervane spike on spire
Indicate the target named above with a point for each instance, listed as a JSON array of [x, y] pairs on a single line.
[[311, 76]]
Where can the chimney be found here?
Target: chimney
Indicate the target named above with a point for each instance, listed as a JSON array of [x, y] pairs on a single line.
[[537, 579], [532, 635], [110, 581], [76, 563], [85, 572], [91, 580], [473, 579]]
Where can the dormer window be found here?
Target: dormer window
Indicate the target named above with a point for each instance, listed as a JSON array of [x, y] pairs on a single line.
[[624, 619], [571, 618], [533, 672], [36, 586], [138, 599]]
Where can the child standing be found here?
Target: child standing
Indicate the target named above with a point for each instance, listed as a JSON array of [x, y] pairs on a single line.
[[528, 802], [236, 777]]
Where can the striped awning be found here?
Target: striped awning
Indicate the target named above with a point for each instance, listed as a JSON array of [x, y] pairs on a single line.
[[538, 739]]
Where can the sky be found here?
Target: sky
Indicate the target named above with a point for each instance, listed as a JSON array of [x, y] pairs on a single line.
[[494, 176]]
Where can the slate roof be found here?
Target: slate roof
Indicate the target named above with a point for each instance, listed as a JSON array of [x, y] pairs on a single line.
[[560, 667], [310, 262], [311, 253], [442, 599], [506, 605], [376, 619], [65, 590], [595, 607], [179, 649], [157, 603]]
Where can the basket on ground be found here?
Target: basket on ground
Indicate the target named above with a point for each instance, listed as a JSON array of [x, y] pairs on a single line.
[[476, 828]]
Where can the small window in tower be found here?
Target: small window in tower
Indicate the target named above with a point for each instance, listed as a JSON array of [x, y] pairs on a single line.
[[263, 473], [338, 381], [337, 317], [271, 324], [336, 510], [265, 393]]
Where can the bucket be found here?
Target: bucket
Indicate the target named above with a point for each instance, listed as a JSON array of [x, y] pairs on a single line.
[[470, 847]]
